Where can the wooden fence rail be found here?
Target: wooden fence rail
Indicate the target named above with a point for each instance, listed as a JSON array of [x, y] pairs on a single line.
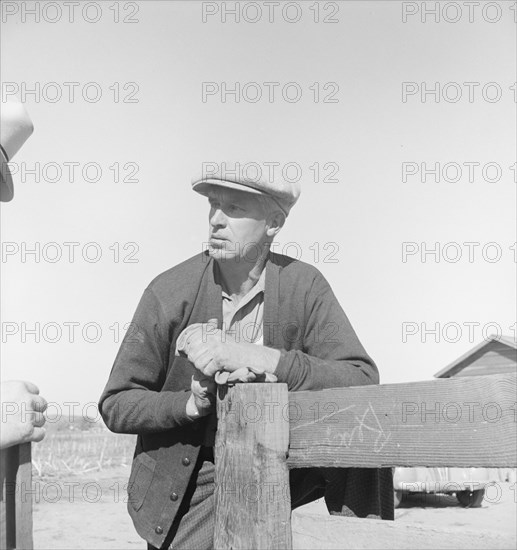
[[263, 431]]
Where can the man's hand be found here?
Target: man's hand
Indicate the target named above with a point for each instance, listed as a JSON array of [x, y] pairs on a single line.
[[22, 411], [202, 400], [233, 357], [202, 344], [206, 346]]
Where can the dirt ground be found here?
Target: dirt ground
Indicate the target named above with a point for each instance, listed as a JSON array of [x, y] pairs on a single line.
[[89, 512]]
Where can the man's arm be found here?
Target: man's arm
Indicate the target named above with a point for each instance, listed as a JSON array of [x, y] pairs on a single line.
[[332, 355], [132, 401]]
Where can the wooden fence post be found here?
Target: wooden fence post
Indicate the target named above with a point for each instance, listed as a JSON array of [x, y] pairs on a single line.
[[253, 503], [16, 498]]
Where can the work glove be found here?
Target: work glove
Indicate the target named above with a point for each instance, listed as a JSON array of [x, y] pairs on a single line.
[[242, 375], [207, 348]]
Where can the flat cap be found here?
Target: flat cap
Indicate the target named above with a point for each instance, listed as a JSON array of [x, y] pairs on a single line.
[[254, 179]]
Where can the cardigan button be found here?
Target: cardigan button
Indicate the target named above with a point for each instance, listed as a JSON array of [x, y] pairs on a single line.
[[174, 497], [186, 461], [158, 530]]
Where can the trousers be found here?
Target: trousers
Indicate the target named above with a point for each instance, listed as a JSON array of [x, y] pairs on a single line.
[[353, 492]]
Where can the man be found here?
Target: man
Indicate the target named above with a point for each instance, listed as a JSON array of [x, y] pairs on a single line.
[[22, 408], [240, 313]]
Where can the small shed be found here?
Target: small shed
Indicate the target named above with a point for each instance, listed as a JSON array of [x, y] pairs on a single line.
[[496, 355]]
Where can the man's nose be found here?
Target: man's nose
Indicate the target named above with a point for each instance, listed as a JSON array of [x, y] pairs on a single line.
[[218, 218]]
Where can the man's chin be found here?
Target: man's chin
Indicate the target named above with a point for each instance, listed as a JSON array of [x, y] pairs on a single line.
[[220, 254]]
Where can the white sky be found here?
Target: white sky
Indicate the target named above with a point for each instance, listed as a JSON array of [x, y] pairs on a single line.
[[169, 132]]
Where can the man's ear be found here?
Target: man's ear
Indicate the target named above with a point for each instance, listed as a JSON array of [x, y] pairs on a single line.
[[276, 221]]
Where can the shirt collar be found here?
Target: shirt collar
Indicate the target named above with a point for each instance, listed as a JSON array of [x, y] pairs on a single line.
[[257, 288]]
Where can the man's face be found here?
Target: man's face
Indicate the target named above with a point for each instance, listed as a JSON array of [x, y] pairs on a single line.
[[237, 225]]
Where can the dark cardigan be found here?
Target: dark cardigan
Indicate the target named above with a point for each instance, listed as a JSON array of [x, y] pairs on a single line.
[[149, 386]]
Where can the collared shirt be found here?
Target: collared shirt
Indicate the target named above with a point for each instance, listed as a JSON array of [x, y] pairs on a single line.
[[243, 321]]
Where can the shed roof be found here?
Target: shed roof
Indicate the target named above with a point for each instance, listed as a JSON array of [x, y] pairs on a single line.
[[474, 353]]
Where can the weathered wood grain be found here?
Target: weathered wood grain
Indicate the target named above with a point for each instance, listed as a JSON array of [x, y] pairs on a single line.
[[3, 504], [24, 538], [253, 507], [464, 422], [16, 498]]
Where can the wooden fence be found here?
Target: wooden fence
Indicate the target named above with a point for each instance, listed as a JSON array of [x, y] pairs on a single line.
[[16, 498], [263, 431]]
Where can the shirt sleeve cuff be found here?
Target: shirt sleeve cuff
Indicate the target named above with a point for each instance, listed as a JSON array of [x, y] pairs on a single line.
[[192, 411]]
